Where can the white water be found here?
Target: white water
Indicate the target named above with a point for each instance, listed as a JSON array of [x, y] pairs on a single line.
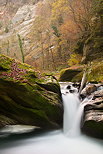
[[72, 115], [73, 110], [56, 142]]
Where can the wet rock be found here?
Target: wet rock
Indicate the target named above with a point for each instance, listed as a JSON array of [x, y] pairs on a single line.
[[23, 101], [68, 87], [93, 123], [98, 93], [69, 74], [72, 91], [76, 85], [90, 88], [93, 115]]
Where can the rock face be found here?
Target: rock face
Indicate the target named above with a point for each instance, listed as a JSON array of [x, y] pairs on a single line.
[[70, 74], [21, 24], [24, 15], [93, 114], [75, 73], [18, 17], [23, 101], [90, 88]]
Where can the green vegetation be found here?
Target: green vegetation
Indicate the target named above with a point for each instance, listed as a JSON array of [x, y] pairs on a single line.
[[93, 128], [96, 72], [65, 36], [61, 34], [91, 43], [75, 73], [24, 99], [71, 73]]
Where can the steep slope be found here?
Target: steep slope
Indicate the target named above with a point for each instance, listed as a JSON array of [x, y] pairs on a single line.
[[20, 24], [91, 43]]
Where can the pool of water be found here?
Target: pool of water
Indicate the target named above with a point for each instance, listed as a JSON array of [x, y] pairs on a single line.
[[50, 143]]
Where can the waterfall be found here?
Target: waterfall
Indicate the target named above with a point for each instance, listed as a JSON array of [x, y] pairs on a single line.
[[71, 141], [73, 111]]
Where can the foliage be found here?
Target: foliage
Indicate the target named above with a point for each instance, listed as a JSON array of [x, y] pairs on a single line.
[[14, 70], [96, 71], [75, 73], [60, 28], [6, 30], [74, 59]]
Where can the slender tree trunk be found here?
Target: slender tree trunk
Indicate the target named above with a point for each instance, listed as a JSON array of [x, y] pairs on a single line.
[[52, 55], [21, 47], [8, 51], [48, 59], [42, 50], [83, 82], [53, 59], [59, 49]]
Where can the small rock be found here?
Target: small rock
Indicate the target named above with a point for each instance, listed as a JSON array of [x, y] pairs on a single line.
[[98, 93], [68, 87], [90, 88]]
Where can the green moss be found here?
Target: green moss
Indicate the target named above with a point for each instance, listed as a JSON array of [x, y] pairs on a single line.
[[96, 73], [25, 66], [23, 100], [31, 76], [79, 47], [27, 105], [78, 77], [5, 62], [93, 128], [69, 74]]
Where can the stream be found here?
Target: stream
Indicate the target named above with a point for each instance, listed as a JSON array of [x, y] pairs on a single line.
[[70, 140]]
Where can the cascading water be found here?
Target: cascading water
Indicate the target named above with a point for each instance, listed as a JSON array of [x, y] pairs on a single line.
[[56, 142], [73, 110]]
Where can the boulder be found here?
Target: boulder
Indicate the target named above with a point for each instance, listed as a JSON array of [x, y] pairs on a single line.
[[71, 74], [90, 88], [75, 73], [23, 101], [93, 115], [98, 93], [93, 123]]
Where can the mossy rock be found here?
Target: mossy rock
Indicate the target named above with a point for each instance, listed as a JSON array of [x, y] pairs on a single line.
[[69, 74], [93, 128], [96, 72], [23, 101], [53, 87], [93, 121], [75, 74]]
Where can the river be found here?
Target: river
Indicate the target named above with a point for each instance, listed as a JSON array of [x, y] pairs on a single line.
[[70, 140]]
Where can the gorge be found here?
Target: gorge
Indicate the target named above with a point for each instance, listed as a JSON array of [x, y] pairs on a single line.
[[60, 141], [51, 76]]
